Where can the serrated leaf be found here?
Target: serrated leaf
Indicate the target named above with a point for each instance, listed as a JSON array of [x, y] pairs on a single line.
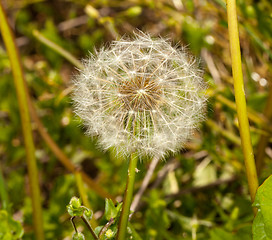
[[110, 210], [119, 207]]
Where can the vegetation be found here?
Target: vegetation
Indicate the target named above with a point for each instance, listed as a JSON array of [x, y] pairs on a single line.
[[202, 192]]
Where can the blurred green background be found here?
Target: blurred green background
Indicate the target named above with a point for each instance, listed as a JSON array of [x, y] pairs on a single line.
[[202, 191]]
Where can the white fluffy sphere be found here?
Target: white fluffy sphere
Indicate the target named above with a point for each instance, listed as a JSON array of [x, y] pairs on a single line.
[[140, 95]]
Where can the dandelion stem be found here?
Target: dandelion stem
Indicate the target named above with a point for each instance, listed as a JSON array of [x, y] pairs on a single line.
[[122, 227], [240, 98]]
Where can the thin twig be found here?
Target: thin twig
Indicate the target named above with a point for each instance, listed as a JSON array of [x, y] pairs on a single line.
[[89, 227], [144, 185], [74, 225], [105, 228], [72, 23], [168, 167], [211, 66]]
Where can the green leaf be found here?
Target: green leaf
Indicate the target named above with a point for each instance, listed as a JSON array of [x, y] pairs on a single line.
[[262, 225], [98, 229], [110, 210], [258, 227], [119, 207], [9, 228]]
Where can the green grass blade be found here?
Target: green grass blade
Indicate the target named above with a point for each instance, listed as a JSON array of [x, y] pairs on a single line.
[[25, 120]]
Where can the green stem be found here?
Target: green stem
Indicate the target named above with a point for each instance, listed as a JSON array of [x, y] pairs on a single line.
[[73, 224], [122, 227], [105, 228], [89, 227], [240, 99], [20, 86]]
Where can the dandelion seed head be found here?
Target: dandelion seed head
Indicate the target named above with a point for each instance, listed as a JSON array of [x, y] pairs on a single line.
[[140, 94]]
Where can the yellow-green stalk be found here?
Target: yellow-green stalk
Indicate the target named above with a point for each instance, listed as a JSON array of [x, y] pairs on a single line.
[[26, 124], [240, 99]]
